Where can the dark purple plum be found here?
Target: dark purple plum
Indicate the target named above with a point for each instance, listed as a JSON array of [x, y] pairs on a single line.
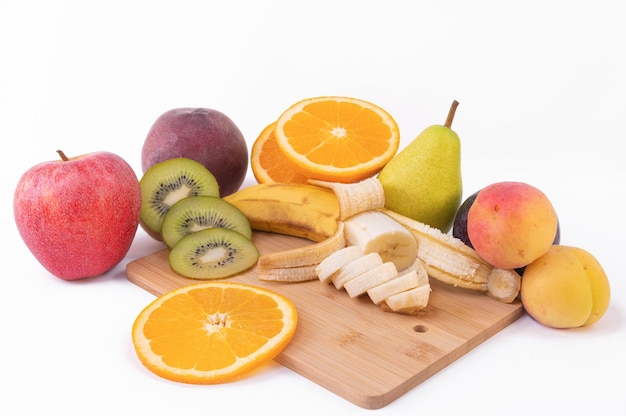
[[459, 227], [204, 135]]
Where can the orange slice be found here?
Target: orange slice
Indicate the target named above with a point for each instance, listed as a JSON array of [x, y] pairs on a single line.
[[338, 139], [269, 164], [212, 332]]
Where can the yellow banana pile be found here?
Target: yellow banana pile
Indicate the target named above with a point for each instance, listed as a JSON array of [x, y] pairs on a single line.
[[363, 248]]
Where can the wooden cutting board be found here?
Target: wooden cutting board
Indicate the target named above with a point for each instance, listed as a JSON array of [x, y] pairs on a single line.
[[351, 346]]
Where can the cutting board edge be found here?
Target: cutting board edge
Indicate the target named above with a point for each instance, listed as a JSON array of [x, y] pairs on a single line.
[[375, 401]]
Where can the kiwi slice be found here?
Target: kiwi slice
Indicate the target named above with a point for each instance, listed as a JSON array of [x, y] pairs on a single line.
[[168, 182], [196, 213], [213, 253]]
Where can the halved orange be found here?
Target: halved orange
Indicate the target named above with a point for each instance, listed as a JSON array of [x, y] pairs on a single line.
[[268, 162], [340, 139], [213, 332]]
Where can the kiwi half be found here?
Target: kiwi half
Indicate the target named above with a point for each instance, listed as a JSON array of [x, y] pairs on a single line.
[[196, 213], [168, 182], [212, 253]]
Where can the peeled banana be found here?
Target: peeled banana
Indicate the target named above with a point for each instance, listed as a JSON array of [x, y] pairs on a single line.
[[377, 247], [376, 232], [362, 247]]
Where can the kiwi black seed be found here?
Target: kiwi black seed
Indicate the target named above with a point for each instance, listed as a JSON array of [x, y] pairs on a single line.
[[168, 182], [196, 213], [213, 253]]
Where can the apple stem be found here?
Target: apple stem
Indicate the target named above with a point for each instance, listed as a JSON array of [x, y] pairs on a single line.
[[453, 107], [63, 157]]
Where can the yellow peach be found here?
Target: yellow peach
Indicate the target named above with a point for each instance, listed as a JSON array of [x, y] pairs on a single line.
[[510, 224], [565, 288]]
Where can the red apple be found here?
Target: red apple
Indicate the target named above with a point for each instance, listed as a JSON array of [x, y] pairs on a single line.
[[78, 216], [204, 135]]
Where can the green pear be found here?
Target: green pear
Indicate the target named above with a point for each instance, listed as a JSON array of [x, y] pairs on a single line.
[[423, 181]]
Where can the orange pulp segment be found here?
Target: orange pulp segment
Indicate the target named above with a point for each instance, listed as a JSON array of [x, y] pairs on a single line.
[[212, 332], [268, 162], [339, 139]]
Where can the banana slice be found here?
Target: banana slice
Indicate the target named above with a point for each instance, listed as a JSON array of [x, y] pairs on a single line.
[[419, 269], [503, 285], [407, 302], [331, 264], [356, 268], [374, 277], [376, 232], [402, 283]]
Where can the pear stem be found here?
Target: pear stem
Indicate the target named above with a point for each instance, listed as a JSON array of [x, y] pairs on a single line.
[[63, 157], [453, 107]]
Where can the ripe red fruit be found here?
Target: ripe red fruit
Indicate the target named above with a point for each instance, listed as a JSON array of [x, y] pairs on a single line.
[[78, 216]]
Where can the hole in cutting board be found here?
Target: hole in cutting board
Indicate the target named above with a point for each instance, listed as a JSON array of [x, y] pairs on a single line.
[[420, 328]]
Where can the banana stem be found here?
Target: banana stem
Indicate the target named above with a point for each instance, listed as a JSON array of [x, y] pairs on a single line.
[[451, 113]]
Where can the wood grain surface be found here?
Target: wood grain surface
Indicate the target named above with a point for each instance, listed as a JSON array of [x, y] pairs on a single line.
[[351, 346]]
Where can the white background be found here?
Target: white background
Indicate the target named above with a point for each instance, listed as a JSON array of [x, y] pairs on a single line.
[[542, 100]]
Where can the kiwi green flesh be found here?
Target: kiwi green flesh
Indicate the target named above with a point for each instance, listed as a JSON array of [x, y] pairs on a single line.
[[212, 253], [168, 182], [196, 213]]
